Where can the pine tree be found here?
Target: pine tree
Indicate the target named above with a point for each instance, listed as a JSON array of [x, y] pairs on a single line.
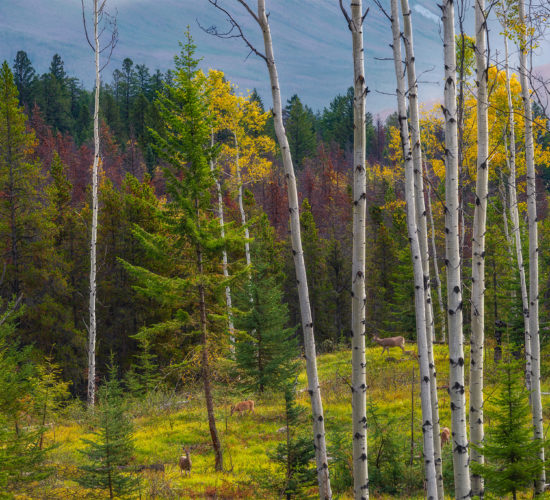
[[111, 450], [511, 456], [267, 354], [299, 126]]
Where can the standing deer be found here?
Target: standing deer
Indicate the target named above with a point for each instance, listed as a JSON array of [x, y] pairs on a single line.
[[185, 462], [243, 406], [390, 342], [445, 436]]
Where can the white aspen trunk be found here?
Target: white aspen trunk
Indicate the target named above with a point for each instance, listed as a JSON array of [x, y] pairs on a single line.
[[436, 270], [422, 228], [92, 327], [314, 389], [477, 337], [514, 216], [459, 443], [536, 404], [225, 270], [422, 328], [358, 296], [505, 208], [241, 205]]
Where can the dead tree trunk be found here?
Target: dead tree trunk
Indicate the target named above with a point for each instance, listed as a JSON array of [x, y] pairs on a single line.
[[92, 327]]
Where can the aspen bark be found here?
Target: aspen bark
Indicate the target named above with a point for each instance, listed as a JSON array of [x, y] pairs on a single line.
[[92, 327], [314, 389], [225, 269], [536, 404], [436, 270], [358, 296], [241, 205], [422, 328], [422, 228], [477, 338], [461, 466], [514, 216]]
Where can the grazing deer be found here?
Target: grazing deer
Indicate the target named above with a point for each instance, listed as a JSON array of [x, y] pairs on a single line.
[[185, 462], [243, 406], [390, 342], [445, 436]]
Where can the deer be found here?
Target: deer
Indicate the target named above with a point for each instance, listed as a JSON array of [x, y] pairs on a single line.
[[390, 342], [243, 406], [185, 462], [445, 436]]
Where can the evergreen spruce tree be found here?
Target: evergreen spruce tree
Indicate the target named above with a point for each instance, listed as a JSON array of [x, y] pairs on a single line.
[[24, 76], [191, 241], [21, 454], [109, 454], [296, 454], [299, 126], [317, 274], [511, 455], [267, 354]]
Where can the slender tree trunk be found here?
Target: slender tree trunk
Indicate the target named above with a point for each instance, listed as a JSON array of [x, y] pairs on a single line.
[[314, 389], [225, 270], [216, 445], [536, 404], [452, 254], [436, 270], [241, 205], [92, 327], [477, 338], [422, 228], [358, 295], [422, 328], [514, 216]]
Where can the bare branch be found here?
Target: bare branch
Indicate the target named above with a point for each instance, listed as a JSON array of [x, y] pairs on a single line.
[[85, 27], [346, 15], [235, 30]]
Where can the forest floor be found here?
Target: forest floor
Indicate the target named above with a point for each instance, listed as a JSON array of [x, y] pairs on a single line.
[[163, 424]]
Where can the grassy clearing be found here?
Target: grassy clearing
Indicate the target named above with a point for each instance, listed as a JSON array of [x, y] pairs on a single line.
[[247, 440]]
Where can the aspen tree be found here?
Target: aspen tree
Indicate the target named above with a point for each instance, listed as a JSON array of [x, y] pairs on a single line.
[[225, 270], [477, 337], [461, 466], [314, 390], [99, 15], [536, 404], [436, 268], [514, 216], [420, 301], [422, 229], [358, 295]]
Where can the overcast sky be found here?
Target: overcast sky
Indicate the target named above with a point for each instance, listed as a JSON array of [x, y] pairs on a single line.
[[311, 40]]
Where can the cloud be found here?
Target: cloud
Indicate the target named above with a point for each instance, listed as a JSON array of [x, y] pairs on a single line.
[[426, 13]]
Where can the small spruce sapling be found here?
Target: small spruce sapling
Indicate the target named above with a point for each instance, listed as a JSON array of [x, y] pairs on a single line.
[[109, 453], [511, 455], [296, 454]]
